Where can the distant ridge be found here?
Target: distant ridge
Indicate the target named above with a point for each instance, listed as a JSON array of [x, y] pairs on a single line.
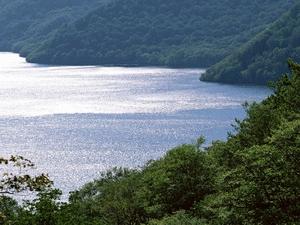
[[264, 57], [24, 23], [175, 33]]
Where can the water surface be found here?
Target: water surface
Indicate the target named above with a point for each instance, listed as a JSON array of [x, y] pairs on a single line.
[[75, 122]]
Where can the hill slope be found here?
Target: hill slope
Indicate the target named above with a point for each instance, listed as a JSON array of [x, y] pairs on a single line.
[[159, 32], [269, 49], [24, 22]]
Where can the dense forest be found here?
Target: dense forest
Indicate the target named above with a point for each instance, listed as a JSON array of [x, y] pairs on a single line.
[[238, 39], [190, 33], [252, 178], [23, 23], [269, 49]]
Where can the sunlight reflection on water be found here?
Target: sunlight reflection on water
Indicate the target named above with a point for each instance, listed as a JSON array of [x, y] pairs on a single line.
[[75, 122]]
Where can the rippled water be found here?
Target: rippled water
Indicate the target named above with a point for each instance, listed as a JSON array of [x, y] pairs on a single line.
[[75, 122]]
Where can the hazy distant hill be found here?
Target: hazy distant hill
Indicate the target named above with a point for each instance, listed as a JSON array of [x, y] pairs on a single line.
[[159, 32], [264, 57], [24, 22]]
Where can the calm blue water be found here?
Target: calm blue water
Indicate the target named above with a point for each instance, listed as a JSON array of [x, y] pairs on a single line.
[[75, 122]]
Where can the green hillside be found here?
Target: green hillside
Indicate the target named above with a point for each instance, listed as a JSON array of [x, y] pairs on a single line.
[[26, 22], [269, 49], [190, 33]]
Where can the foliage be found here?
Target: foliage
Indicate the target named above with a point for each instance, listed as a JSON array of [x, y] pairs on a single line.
[[17, 181], [259, 177], [175, 182], [11, 182], [42, 211], [262, 59], [179, 218], [8, 208]]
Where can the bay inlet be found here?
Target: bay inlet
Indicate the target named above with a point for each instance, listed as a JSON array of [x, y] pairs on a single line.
[[77, 121]]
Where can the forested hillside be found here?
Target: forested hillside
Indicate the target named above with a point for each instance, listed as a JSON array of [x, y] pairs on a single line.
[[190, 33], [25, 22], [251, 179], [269, 49]]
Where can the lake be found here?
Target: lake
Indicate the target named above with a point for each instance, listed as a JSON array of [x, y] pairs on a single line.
[[75, 122]]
